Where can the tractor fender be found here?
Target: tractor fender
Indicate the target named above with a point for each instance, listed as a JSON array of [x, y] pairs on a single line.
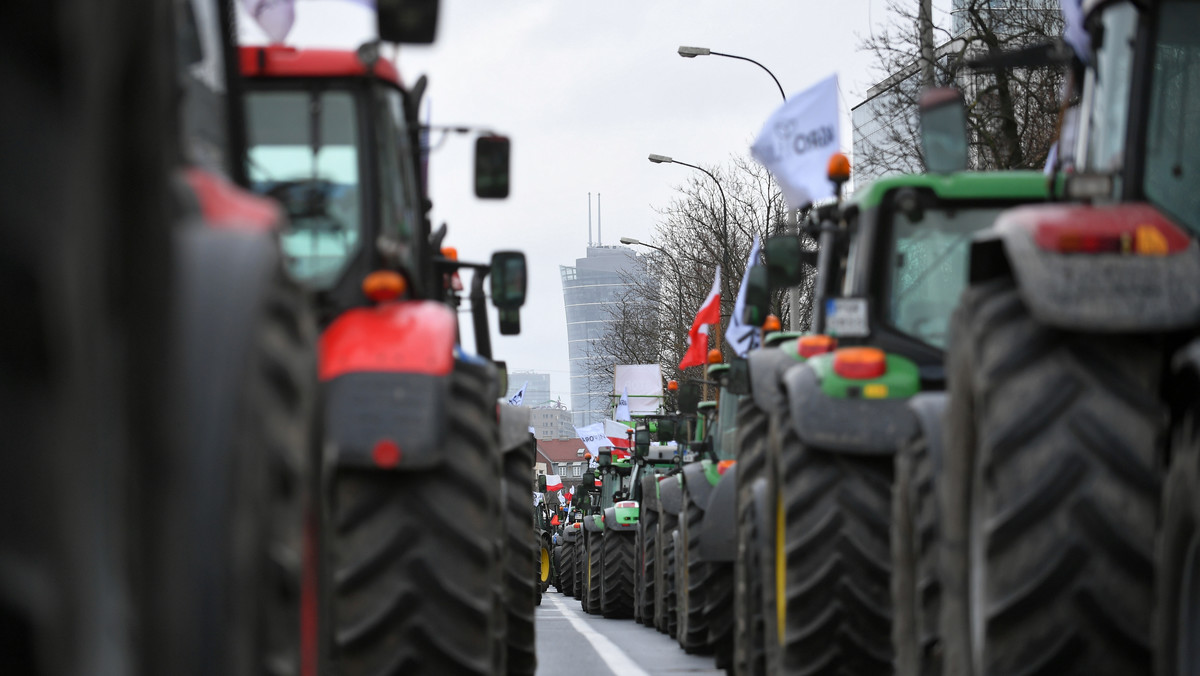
[[767, 367], [929, 408], [670, 494], [514, 429], [1091, 292], [385, 374], [650, 491], [696, 479], [611, 523], [593, 523], [854, 426], [718, 531]]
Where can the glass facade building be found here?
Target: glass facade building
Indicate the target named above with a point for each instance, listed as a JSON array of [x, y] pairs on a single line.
[[590, 289]]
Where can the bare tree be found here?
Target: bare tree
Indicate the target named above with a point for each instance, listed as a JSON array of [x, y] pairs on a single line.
[[650, 323], [1011, 114]]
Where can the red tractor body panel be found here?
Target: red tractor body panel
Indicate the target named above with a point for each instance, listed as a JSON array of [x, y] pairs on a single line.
[[397, 337], [1070, 228], [225, 206], [281, 61]]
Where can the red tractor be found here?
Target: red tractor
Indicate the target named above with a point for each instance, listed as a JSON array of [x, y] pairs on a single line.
[[415, 533]]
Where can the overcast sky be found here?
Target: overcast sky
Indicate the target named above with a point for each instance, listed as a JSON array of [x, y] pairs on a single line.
[[586, 90]]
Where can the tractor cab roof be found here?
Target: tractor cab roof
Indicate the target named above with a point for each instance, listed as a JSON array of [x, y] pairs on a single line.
[[963, 185], [284, 61]]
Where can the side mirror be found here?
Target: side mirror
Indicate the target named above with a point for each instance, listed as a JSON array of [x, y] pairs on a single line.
[[737, 381], [786, 258], [758, 296], [943, 130], [641, 441], [589, 481], [508, 289], [491, 166], [604, 458], [542, 483], [689, 397], [412, 22]]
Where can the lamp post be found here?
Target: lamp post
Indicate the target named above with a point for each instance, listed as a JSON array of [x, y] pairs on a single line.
[[693, 52], [678, 283], [663, 159]]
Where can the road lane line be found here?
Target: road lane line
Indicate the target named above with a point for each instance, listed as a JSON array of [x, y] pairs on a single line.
[[614, 658]]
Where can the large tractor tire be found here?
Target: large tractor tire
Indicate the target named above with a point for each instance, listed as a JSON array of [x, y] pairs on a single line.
[[916, 587], [648, 532], [1053, 441], [566, 571], [521, 590], [691, 580], [671, 581], [616, 569], [718, 613], [750, 623], [579, 578], [559, 563], [664, 572], [837, 510], [1177, 621], [594, 574], [415, 573]]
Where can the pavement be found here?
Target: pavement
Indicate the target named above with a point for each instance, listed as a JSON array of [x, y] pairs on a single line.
[[569, 641]]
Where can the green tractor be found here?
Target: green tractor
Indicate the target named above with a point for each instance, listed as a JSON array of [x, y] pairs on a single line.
[[548, 529], [609, 527], [830, 411], [1066, 461]]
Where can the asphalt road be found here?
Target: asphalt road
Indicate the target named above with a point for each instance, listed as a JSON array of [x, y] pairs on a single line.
[[569, 641]]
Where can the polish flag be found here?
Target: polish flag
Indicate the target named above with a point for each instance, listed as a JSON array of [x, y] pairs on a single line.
[[709, 313], [618, 436], [553, 483]]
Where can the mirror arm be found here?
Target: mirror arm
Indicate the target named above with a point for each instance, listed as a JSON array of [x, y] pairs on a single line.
[[483, 338]]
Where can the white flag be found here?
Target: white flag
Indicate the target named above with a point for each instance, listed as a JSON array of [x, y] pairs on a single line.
[[623, 406], [562, 499], [537, 499], [743, 337], [519, 396], [593, 437], [796, 142]]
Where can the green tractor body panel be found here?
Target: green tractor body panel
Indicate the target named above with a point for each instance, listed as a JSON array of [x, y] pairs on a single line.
[[710, 471], [626, 512], [900, 380], [1025, 186], [776, 337]]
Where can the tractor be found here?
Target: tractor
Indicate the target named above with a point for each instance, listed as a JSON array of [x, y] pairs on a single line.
[[409, 418], [1064, 467]]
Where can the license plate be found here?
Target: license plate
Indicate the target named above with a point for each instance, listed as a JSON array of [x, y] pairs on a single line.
[[847, 317]]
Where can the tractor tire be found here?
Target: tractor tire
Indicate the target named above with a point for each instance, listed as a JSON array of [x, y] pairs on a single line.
[[559, 562], [546, 566], [648, 529], [579, 577], [566, 571], [639, 560], [1178, 609], [718, 613], [671, 581], [521, 590], [416, 574], [837, 510], [691, 580], [616, 569], [273, 485], [1053, 442], [916, 587], [595, 573], [664, 569], [749, 656]]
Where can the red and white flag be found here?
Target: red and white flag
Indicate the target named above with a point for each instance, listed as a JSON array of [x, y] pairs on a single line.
[[709, 313], [553, 483], [618, 436]]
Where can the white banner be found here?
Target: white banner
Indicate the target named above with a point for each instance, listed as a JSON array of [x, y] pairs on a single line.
[[796, 142], [593, 437], [643, 385], [741, 336]]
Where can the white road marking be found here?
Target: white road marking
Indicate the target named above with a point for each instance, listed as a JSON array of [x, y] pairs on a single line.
[[614, 658]]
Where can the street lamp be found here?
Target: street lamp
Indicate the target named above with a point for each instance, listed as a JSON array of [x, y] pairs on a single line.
[[663, 159], [678, 283], [693, 52]]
